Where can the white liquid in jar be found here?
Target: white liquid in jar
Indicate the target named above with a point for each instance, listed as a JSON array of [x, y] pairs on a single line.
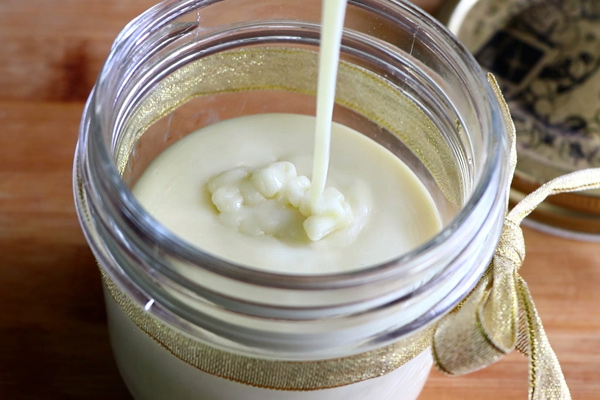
[[390, 213], [391, 210]]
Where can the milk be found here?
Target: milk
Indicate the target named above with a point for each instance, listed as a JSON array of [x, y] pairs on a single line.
[[246, 191], [392, 212], [329, 54]]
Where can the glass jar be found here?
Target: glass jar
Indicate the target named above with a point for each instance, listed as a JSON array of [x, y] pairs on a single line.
[[188, 325]]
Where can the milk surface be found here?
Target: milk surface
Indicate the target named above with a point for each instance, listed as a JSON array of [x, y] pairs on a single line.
[[392, 212]]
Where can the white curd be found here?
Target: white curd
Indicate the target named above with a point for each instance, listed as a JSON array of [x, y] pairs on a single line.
[[268, 200]]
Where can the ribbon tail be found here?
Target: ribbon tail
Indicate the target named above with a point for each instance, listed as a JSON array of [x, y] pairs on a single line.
[[546, 380], [586, 179]]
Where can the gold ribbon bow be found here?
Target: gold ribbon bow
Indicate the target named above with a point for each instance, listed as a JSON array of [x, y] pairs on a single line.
[[499, 314]]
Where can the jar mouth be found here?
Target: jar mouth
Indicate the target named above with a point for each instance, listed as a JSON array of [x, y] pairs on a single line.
[[405, 264], [115, 222]]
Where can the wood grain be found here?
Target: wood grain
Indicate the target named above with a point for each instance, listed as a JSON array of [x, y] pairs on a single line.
[[53, 339], [53, 50]]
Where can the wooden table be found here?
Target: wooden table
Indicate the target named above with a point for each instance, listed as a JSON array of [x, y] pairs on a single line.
[[53, 338]]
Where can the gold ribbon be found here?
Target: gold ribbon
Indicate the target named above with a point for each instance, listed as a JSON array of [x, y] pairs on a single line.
[[499, 314], [270, 373]]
